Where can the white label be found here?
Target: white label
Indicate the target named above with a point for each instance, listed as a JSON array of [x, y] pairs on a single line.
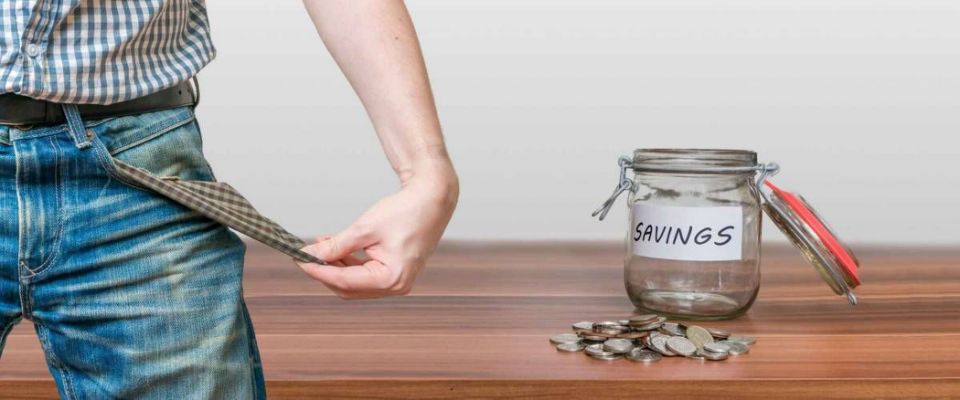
[[687, 233]]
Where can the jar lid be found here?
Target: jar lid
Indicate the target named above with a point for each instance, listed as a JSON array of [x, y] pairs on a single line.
[[801, 223]]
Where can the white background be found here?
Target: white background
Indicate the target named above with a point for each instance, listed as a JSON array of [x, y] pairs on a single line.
[[858, 100]]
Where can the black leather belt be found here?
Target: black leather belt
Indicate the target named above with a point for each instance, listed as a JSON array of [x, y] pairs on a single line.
[[21, 110]]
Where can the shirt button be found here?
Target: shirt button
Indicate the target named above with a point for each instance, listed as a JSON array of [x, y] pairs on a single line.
[[33, 50]]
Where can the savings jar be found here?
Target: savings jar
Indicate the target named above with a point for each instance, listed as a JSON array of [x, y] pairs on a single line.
[[694, 231]]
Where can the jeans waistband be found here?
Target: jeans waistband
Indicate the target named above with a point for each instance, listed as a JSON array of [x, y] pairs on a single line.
[[116, 133]]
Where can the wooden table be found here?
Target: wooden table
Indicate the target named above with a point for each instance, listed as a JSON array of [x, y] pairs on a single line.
[[477, 325]]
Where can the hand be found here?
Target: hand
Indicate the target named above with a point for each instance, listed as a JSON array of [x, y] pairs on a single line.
[[396, 235]]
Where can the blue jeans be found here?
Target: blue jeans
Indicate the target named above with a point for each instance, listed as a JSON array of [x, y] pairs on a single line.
[[132, 295]]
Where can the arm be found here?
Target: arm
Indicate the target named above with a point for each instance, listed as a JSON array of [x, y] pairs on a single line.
[[376, 47]]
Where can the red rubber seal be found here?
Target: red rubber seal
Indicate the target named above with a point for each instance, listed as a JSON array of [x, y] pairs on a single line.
[[829, 240]]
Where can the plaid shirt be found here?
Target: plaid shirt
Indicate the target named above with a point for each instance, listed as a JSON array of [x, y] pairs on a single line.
[[100, 51]]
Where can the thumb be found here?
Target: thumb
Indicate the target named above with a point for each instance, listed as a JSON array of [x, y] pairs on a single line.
[[339, 246]]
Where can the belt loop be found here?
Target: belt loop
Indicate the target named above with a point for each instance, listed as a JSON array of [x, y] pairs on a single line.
[[196, 91], [75, 126]]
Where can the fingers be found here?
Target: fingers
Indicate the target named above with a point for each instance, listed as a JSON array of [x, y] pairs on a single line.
[[341, 246], [354, 259], [368, 280]]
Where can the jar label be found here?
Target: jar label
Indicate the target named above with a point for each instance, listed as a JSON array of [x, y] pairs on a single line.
[[687, 233]]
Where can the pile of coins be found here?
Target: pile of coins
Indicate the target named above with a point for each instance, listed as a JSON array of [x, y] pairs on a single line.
[[648, 338]]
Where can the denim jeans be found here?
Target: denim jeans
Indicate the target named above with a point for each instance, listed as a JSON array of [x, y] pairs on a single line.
[[132, 295]]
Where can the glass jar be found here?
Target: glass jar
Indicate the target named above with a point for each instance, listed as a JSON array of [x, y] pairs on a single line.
[[694, 234], [694, 241]]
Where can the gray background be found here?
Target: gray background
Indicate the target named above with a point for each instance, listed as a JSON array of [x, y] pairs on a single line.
[[858, 100]]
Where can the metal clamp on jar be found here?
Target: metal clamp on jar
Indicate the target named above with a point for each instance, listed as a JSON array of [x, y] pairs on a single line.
[[693, 247]]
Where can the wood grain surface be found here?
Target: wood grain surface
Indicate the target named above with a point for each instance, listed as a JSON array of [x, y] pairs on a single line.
[[477, 324]]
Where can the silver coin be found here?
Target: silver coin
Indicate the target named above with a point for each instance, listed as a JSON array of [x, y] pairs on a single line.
[[606, 335], [648, 338], [659, 344], [643, 356], [633, 335], [716, 347], [603, 324], [595, 338], [618, 346], [583, 326], [645, 319], [651, 335], [672, 328], [737, 348], [699, 336], [597, 351], [609, 328], [651, 326], [570, 347], [719, 333], [565, 338], [596, 348], [747, 340], [713, 356], [610, 357], [681, 345]]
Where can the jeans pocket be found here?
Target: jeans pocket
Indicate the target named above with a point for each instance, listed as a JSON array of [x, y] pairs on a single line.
[[203, 193], [166, 143], [223, 203]]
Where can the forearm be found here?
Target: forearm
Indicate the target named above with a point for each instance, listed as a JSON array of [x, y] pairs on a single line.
[[374, 43]]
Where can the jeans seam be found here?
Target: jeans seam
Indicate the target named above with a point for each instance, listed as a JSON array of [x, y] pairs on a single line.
[[61, 215], [252, 350], [23, 291], [55, 362], [24, 298]]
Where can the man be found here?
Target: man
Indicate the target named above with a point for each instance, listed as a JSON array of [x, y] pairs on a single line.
[[132, 294]]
